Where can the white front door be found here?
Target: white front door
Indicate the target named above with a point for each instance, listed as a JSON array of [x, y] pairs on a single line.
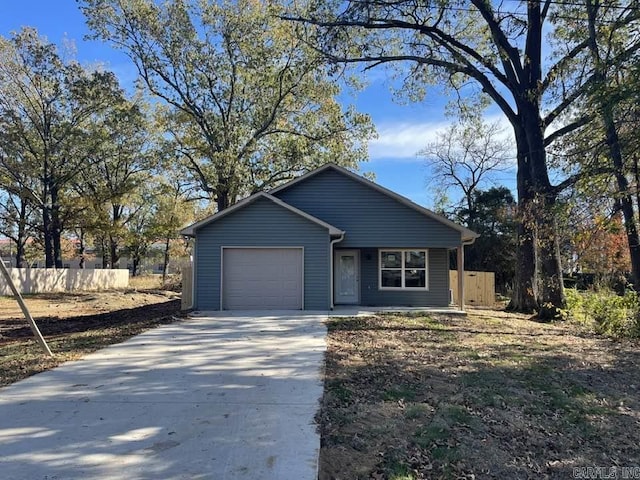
[[346, 277]]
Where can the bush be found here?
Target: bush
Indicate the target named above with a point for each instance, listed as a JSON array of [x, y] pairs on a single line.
[[605, 312], [576, 305]]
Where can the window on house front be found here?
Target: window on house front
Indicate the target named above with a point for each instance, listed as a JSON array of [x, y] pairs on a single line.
[[403, 269]]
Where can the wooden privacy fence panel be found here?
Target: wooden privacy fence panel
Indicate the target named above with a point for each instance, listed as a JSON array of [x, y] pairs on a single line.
[[47, 280], [187, 288], [479, 288]]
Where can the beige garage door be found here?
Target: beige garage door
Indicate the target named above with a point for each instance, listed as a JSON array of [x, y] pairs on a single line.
[[262, 278]]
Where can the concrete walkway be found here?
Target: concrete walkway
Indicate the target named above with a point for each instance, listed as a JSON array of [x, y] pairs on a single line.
[[221, 398]]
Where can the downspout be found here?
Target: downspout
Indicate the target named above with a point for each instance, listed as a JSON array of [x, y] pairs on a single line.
[[192, 263], [194, 256], [333, 242]]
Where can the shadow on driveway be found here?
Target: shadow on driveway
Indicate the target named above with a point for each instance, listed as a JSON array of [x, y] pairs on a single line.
[[208, 398]]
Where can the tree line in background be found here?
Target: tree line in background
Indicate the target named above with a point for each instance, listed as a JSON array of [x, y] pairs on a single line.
[[229, 102], [80, 161], [238, 96]]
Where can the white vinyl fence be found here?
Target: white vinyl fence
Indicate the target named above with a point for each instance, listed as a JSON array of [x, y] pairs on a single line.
[[46, 280]]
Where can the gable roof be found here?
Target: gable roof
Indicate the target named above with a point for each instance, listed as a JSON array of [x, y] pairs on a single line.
[[190, 231], [466, 234]]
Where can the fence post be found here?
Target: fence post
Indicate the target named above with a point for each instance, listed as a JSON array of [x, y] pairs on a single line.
[[186, 300]]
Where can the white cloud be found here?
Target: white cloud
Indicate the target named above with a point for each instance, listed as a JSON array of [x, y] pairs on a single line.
[[403, 140]]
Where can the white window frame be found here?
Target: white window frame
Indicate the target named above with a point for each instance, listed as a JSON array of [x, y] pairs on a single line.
[[403, 269]]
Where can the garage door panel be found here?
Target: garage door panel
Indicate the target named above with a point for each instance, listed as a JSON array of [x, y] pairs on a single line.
[[262, 278]]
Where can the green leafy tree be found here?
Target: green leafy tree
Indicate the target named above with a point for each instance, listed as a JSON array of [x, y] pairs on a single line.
[[487, 50], [121, 162], [249, 104], [47, 109], [17, 215], [16, 222], [494, 217], [610, 30], [173, 209], [140, 235]]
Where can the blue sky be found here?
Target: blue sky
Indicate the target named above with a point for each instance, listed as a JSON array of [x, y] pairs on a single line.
[[403, 129]]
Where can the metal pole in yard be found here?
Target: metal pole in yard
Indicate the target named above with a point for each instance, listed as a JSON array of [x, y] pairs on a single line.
[[25, 310]]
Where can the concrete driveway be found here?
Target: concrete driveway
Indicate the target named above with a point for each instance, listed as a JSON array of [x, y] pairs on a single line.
[[215, 397]]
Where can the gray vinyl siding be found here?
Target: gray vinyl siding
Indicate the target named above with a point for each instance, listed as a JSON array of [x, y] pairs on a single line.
[[262, 224], [436, 296], [370, 218]]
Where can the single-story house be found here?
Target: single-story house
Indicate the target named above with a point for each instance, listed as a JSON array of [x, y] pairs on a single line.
[[329, 237]]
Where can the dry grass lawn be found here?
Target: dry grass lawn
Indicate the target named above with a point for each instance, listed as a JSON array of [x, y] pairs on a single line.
[[75, 324], [491, 395]]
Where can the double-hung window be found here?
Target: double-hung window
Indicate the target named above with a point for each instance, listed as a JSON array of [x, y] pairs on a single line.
[[402, 269]]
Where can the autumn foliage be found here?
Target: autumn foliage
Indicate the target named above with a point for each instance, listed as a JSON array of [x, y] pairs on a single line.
[[601, 248]]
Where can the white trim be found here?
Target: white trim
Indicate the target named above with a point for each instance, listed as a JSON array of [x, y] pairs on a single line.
[[194, 262], [403, 268], [460, 260], [466, 234], [260, 247], [356, 251], [221, 275], [190, 231], [331, 268]]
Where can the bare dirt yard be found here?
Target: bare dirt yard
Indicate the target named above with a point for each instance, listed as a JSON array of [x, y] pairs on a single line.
[[491, 395], [75, 324]]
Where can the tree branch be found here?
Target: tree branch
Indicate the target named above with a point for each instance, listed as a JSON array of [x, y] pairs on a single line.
[[575, 125]]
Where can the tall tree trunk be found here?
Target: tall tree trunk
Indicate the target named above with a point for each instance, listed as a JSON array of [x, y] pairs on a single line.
[[223, 199], [525, 292], [136, 264], [105, 253], [538, 246], [551, 288], [165, 264], [56, 227], [113, 252], [539, 286], [20, 255], [116, 212], [21, 239], [49, 256], [81, 251], [625, 199], [607, 115], [636, 171]]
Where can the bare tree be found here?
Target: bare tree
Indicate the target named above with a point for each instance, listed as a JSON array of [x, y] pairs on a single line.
[[466, 155]]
